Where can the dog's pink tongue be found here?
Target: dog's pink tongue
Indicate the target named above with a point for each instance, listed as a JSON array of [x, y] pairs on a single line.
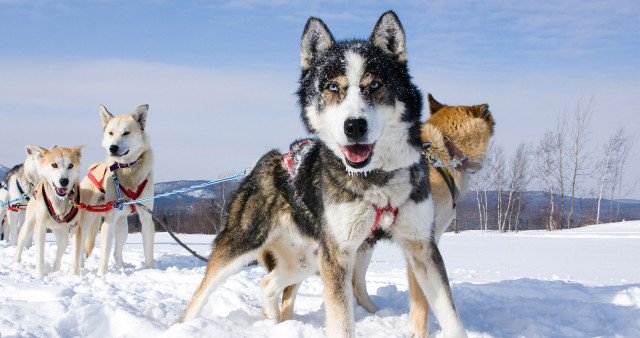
[[357, 153], [61, 191]]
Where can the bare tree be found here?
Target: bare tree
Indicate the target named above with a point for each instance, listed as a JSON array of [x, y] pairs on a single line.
[[616, 152], [578, 145], [560, 148], [519, 177], [481, 182], [545, 169], [499, 181]]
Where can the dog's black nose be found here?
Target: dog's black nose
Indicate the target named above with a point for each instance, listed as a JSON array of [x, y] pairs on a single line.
[[355, 129], [114, 149], [64, 182]]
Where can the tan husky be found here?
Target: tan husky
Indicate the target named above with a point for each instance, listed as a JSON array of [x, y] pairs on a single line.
[[129, 162], [454, 132], [51, 207]]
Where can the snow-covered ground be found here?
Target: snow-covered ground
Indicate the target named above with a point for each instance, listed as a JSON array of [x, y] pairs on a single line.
[[571, 283]]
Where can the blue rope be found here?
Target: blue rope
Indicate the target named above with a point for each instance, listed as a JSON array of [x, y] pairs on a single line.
[[120, 204], [4, 204]]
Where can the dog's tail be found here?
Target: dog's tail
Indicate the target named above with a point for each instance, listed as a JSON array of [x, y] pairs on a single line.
[[91, 237]]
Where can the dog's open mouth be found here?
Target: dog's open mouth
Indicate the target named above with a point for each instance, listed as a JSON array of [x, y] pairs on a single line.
[[62, 191], [357, 155]]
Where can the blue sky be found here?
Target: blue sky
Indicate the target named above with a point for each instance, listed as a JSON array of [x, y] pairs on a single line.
[[220, 76]]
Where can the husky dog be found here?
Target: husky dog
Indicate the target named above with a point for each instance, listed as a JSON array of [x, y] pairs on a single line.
[[50, 207], [364, 173], [455, 133], [129, 162], [20, 180]]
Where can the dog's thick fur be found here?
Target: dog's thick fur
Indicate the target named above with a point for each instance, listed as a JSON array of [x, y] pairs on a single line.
[[59, 170], [357, 98], [23, 176], [125, 142], [454, 131]]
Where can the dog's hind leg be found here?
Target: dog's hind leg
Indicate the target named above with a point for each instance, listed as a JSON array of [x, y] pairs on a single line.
[[363, 257], [106, 239], [223, 262], [62, 240], [288, 300], [25, 234], [148, 234], [430, 273]]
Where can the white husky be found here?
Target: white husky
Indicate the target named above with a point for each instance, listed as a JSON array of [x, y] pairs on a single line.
[[20, 180], [129, 162]]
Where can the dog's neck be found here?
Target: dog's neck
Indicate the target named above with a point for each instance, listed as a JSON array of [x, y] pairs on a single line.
[[60, 204], [133, 174], [447, 152]]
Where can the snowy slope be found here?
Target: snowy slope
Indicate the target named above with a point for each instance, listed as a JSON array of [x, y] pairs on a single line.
[[578, 283]]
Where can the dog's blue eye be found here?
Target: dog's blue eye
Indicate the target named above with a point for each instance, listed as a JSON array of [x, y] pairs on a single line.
[[374, 85], [333, 87]]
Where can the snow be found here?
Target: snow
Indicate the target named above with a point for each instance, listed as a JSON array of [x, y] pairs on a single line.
[[580, 283]]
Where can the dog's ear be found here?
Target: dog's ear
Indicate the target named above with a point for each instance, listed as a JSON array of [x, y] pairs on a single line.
[[316, 39], [77, 149], [34, 150], [481, 110], [434, 105], [389, 35], [140, 115], [105, 116]]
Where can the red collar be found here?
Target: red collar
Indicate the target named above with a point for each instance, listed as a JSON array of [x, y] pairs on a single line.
[[72, 213]]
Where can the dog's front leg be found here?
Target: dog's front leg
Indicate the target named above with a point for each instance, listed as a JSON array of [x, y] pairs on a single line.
[[76, 250], [430, 273], [419, 307], [336, 270], [121, 232], [40, 233], [62, 241], [148, 234]]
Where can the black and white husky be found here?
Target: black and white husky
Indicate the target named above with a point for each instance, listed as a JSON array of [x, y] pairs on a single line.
[[364, 173]]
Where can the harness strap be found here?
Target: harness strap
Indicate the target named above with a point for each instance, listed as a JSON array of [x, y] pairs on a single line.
[[290, 160], [451, 183], [133, 195], [66, 219], [21, 191], [93, 179], [380, 211]]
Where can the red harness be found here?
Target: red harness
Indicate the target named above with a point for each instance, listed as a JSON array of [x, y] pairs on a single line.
[[93, 179], [66, 219], [133, 195], [380, 211]]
